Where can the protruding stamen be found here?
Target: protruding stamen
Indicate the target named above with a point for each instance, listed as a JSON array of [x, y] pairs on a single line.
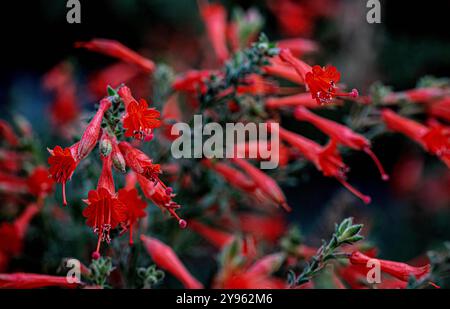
[[64, 193], [375, 159]]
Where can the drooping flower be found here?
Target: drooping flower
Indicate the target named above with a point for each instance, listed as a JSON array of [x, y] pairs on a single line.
[[326, 159], [322, 82], [135, 208], [139, 120], [434, 138], [63, 163], [262, 227], [92, 133], [342, 134], [34, 281], [161, 196], [298, 46], [279, 69], [118, 50], [139, 162], [398, 270], [104, 211], [215, 18], [166, 259], [264, 182], [214, 236]]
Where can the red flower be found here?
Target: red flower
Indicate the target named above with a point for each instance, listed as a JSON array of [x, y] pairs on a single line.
[[192, 81], [39, 182], [398, 270], [139, 162], [266, 184], [326, 159], [33, 281], [161, 196], [256, 85], [104, 212], [62, 165], [216, 237], [135, 208], [117, 50], [113, 76], [341, 134], [301, 99], [12, 183], [322, 82], [266, 265], [434, 139], [139, 120], [92, 132], [166, 259], [215, 18]]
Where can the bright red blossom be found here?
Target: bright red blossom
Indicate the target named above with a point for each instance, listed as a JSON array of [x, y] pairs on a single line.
[[215, 18], [139, 120], [39, 182], [62, 165]]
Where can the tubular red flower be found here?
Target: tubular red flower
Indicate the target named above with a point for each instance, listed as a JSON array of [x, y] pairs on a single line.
[[103, 213], [265, 183], [435, 139], [341, 134], [63, 163], [161, 196], [117, 50], [326, 159], [301, 99], [322, 82], [139, 162], [139, 120], [12, 234], [256, 85], [233, 176], [92, 133], [281, 70], [419, 95], [398, 270], [215, 18], [216, 237], [440, 109], [33, 281], [166, 259], [135, 208]]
